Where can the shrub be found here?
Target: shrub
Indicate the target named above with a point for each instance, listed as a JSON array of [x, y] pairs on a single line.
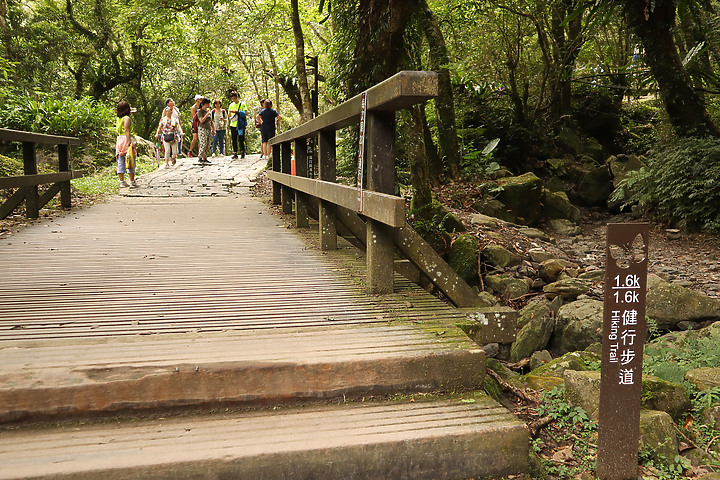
[[679, 184]]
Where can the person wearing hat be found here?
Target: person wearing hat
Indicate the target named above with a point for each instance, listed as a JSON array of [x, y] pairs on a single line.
[[193, 112]]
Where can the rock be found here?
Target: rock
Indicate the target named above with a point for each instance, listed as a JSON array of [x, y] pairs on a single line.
[[463, 257], [508, 286], [578, 325], [494, 208], [499, 256], [704, 378], [451, 223], [536, 307], [569, 288], [620, 165], [539, 255], [538, 359], [594, 276], [577, 361], [657, 394], [657, 436], [542, 382], [534, 233], [594, 186], [711, 416], [582, 389], [550, 270], [485, 220], [486, 299], [670, 304], [522, 195], [556, 206], [491, 350], [565, 227], [538, 323]]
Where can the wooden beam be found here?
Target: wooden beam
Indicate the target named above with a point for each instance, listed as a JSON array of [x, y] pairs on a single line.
[[9, 135], [402, 90], [382, 207], [39, 179], [12, 203]]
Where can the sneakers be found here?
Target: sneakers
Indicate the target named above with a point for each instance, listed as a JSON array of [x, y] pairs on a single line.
[[204, 161], [124, 184], [242, 155], [234, 157], [133, 184]]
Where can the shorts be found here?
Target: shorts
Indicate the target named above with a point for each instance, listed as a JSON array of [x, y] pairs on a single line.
[[266, 136], [121, 165]]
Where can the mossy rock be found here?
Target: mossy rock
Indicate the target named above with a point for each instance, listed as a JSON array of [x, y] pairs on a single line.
[[499, 256], [578, 361], [522, 195], [658, 394], [463, 257], [556, 205], [542, 382], [704, 378]]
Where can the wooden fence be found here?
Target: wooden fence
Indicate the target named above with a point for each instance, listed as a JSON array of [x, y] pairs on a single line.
[[373, 214], [28, 183]]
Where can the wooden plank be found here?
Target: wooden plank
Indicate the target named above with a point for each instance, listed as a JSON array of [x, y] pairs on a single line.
[[9, 135], [49, 194], [440, 273], [382, 207], [12, 203], [402, 90], [39, 179]]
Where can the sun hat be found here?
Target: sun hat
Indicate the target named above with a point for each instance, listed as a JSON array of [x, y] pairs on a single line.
[[198, 96]]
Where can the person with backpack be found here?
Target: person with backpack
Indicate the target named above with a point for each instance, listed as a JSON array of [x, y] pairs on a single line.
[[219, 125], [234, 109], [204, 131], [169, 129]]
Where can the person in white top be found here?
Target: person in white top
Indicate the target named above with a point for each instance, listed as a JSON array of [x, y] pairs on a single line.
[[170, 103]]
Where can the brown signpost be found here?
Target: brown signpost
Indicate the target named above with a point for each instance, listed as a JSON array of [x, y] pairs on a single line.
[[626, 262]]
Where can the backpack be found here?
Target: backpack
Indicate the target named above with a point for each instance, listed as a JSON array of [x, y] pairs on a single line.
[[258, 119]]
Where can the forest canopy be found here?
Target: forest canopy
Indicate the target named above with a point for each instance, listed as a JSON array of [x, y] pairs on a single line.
[[536, 80]]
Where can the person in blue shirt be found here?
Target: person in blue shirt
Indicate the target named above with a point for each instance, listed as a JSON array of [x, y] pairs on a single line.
[[268, 119]]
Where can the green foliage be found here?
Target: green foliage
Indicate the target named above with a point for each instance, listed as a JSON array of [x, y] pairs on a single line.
[[706, 398], [105, 181], [556, 407], [480, 163], [691, 351], [661, 468], [41, 113], [679, 184]]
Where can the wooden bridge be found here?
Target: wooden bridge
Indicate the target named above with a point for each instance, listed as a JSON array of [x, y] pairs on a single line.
[[212, 339]]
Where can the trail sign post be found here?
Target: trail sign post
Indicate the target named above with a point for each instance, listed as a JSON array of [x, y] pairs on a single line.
[[626, 258]]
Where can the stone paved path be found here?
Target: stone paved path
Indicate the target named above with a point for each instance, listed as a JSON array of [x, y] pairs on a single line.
[[223, 177]]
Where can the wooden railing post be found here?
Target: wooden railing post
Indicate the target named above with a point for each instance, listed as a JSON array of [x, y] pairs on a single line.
[[327, 171], [64, 166], [380, 178], [302, 219], [276, 187], [32, 208], [285, 162]]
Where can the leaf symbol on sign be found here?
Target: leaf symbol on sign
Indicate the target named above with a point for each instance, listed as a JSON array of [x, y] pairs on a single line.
[[628, 253]]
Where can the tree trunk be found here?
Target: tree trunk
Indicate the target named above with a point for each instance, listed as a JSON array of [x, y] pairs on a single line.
[[306, 112], [419, 170], [653, 26], [444, 103], [379, 48]]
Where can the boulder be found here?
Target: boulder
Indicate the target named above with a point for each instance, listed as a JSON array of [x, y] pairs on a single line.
[[657, 394], [535, 233], [550, 270], [498, 256], [657, 436], [577, 361], [540, 358], [543, 382], [620, 165], [704, 378], [565, 227], [508, 286], [539, 255], [463, 257], [522, 195], [493, 207], [711, 416], [556, 206], [670, 304], [594, 186], [485, 220], [538, 323], [594, 276], [569, 288], [578, 325], [582, 389]]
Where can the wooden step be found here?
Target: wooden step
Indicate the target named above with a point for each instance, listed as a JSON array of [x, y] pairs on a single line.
[[436, 440], [83, 376]]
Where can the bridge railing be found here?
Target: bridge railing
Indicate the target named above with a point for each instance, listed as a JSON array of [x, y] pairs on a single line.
[[28, 183], [373, 214]]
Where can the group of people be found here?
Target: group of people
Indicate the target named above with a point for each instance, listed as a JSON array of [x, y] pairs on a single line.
[[209, 126]]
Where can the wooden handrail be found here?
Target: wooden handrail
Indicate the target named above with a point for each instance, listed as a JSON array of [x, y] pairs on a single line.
[[402, 90], [9, 135], [27, 184]]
